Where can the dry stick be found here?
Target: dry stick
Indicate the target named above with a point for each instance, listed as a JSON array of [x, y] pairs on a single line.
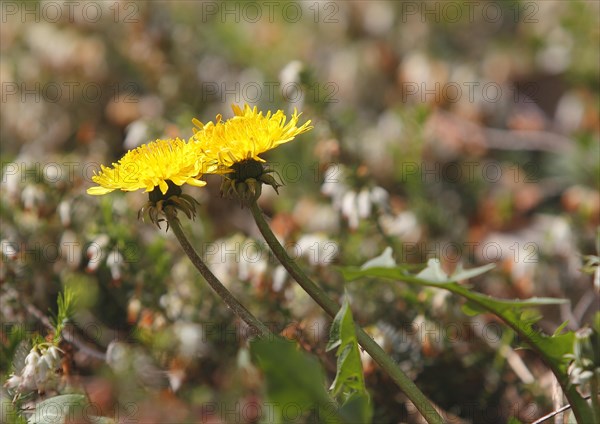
[[377, 353], [237, 308], [555, 413]]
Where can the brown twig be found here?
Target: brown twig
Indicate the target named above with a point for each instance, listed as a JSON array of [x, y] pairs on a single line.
[[555, 413]]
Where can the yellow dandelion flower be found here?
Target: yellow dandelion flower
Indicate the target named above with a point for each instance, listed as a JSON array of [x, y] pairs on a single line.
[[237, 143], [154, 165], [245, 136]]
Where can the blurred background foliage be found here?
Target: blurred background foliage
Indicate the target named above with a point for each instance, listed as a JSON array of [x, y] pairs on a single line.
[[466, 131]]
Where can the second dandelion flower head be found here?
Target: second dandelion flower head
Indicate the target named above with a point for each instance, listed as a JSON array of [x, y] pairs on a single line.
[[236, 146]]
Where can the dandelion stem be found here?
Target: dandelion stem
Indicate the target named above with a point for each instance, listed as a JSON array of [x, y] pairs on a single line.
[[218, 287], [417, 397], [595, 395]]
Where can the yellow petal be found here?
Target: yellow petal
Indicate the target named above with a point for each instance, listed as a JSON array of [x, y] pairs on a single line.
[[196, 183], [98, 191], [236, 110], [197, 123], [163, 186]]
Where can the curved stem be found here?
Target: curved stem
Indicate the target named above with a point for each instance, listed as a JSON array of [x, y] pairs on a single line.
[[377, 353], [595, 396], [237, 308]]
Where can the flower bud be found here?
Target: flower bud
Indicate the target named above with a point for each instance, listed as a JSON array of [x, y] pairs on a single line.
[[32, 358], [13, 382], [52, 357]]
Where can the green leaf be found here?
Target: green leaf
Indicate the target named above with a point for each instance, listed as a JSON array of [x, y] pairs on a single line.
[[56, 409], [483, 301], [294, 379], [461, 274], [70, 408], [349, 378], [434, 272], [357, 409], [551, 348]]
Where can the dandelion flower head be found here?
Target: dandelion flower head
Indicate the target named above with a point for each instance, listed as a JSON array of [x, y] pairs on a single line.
[[154, 165], [247, 135]]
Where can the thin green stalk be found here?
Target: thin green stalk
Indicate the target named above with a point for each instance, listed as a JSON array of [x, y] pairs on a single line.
[[331, 308], [237, 308]]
